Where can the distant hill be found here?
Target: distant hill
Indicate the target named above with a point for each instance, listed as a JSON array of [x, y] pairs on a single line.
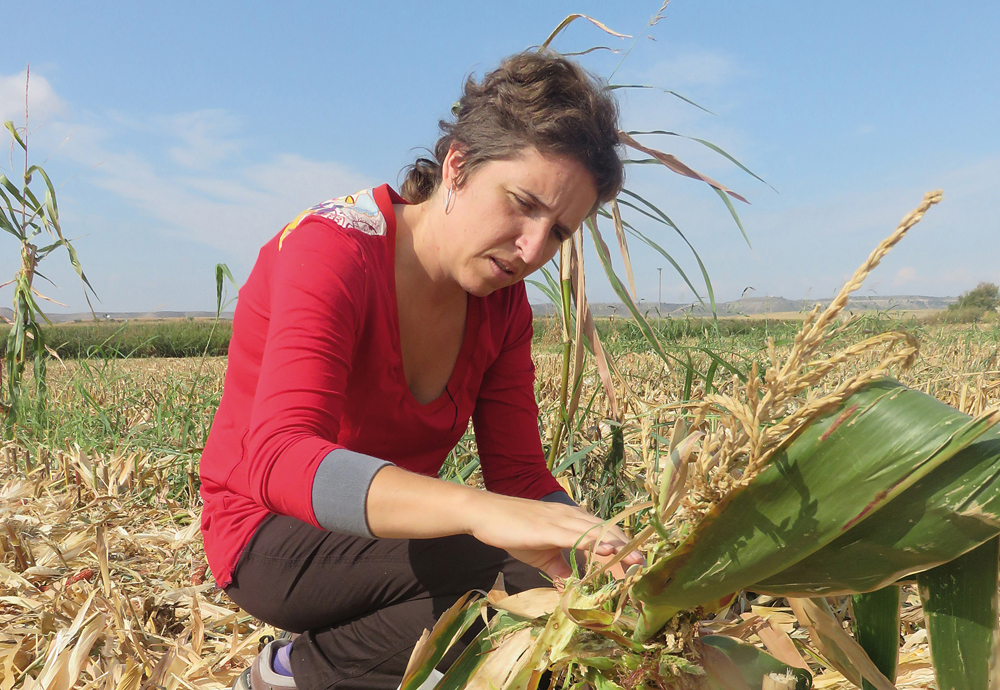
[[760, 306], [773, 305], [7, 313], [748, 306]]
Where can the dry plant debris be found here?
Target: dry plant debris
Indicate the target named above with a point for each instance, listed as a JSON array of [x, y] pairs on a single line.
[[101, 591]]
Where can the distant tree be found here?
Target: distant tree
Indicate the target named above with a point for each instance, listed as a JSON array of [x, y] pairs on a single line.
[[984, 297]]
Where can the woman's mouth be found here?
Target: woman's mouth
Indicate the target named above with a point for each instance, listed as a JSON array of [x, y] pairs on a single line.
[[502, 266]]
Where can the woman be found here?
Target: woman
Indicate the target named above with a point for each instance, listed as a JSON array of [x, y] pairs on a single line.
[[372, 328]]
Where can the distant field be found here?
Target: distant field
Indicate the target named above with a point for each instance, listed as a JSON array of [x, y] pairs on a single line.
[[197, 337], [190, 337], [118, 339]]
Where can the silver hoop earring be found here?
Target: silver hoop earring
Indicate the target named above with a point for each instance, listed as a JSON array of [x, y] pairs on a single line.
[[447, 200]]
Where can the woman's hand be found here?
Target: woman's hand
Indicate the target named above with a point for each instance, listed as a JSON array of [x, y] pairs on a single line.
[[536, 533], [403, 505]]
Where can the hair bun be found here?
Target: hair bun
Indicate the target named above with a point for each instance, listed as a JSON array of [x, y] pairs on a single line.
[[421, 179]]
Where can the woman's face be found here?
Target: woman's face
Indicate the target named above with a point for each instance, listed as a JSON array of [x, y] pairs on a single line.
[[510, 217]]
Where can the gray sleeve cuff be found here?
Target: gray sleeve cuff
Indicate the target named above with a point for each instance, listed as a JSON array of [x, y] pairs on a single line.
[[559, 497], [340, 491]]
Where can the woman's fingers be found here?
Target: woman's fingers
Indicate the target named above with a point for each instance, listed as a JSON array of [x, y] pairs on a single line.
[[549, 561], [536, 533], [613, 541]]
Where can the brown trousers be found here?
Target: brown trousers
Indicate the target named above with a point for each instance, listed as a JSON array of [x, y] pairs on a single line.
[[361, 604]]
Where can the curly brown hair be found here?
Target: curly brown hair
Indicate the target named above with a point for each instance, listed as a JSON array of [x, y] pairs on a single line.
[[533, 99]]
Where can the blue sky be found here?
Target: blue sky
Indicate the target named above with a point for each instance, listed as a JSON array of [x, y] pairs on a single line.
[[186, 134]]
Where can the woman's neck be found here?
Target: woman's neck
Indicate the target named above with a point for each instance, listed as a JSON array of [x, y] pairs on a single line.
[[419, 266]]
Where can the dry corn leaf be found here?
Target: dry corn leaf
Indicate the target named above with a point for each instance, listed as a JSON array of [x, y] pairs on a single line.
[[780, 645], [841, 650]]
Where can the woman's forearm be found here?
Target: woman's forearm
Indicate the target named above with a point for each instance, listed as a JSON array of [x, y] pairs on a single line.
[[405, 505]]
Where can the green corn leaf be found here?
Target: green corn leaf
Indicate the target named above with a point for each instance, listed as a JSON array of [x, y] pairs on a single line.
[[876, 629], [9, 124], [472, 658], [615, 87], [961, 615], [635, 233], [573, 458], [431, 650], [669, 258], [13, 191], [605, 256], [34, 204], [551, 289], [952, 510], [663, 218], [541, 286], [736, 217], [688, 379], [840, 470], [7, 226], [469, 468], [719, 361], [754, 664], [710, 376], [221, 273]]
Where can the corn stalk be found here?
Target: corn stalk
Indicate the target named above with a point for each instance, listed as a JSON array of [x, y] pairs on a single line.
[[24, 216], [570, 289]]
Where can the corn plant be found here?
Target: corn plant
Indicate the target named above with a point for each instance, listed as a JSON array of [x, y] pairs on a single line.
[[790, 484], [578, 329], [27, 218]]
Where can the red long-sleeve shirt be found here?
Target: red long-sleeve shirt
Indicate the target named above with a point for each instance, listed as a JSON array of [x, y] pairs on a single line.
[[315, 366]]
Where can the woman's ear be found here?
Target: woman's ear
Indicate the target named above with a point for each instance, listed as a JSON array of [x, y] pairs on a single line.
[[452, 166]]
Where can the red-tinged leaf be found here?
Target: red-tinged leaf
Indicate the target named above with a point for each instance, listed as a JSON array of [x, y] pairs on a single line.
[[720, 668], [675, 164], [572, 18]]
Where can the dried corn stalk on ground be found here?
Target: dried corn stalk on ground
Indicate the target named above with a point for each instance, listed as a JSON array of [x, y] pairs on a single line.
[[100, 591]]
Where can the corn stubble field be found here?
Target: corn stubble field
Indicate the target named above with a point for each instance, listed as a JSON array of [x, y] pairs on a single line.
[[102, 573]]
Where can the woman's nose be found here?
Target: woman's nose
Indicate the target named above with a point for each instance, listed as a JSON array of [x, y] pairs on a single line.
[[533, 243]]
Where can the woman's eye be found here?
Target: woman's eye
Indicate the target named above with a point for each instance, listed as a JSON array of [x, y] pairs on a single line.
[[522, 203]]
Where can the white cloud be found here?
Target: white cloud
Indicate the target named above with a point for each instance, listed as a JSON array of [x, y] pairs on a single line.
[[695, 68], [207, 137], [43, 103], [907, 274], [189, 176], [236, 211]]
